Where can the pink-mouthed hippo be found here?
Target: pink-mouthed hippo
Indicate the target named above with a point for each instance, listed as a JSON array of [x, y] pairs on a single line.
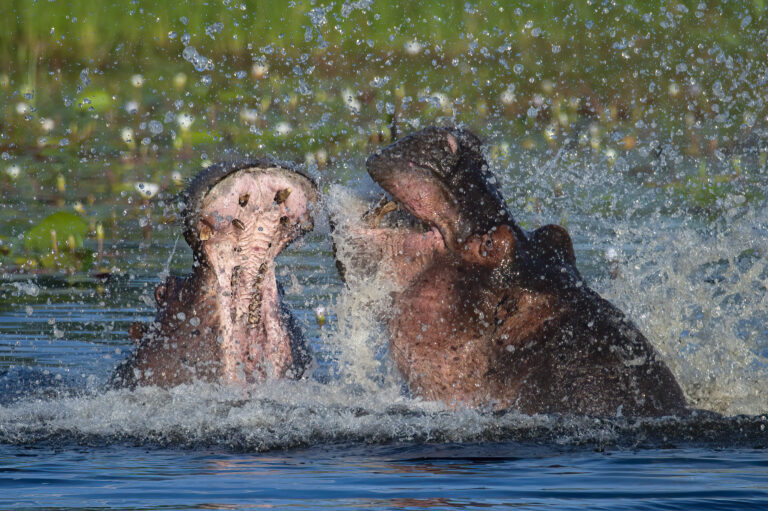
[[225, 322], [487, 314]]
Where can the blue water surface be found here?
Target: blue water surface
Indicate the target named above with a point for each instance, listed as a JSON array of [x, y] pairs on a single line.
[[383, 477], [67, 443]]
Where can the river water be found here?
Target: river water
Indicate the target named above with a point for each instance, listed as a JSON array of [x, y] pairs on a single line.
[[651, 148]]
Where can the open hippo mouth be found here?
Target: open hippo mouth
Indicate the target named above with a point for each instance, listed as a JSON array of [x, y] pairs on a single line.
[[433, 175], [439, 177], [484, 313], [226, 322]]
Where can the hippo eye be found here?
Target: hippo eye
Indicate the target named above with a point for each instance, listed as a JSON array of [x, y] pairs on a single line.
[[489, 243], [243, 200], [160, 292], [238, 224]]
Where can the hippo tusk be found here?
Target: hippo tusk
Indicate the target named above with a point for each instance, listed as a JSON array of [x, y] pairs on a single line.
[[387, 208], [205, 233]]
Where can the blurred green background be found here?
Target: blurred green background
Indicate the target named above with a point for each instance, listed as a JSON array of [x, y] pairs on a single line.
[[107, 107]]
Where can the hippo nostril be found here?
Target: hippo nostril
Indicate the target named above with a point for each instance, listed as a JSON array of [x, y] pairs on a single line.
[[282, 195], [243, 200], [238, 224]]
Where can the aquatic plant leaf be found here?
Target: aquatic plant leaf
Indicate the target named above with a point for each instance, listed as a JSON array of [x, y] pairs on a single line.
[[39, 238], [96, 100], [5, 246], [80, 260]]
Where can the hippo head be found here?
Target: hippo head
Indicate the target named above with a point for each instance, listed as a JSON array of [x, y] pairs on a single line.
[[225, 322], [440, 176]]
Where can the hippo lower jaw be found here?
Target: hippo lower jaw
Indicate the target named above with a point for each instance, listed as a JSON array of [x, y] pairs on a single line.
[[225, 322]]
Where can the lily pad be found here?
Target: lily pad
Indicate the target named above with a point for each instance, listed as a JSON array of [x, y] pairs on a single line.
[[69, 228]]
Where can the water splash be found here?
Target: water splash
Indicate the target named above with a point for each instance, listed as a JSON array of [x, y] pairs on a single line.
[[290, 414], [701, 296], [360, 339]]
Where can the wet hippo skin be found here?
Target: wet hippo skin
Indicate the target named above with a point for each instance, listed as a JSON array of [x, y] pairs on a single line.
[[226, 322], [487, 314]]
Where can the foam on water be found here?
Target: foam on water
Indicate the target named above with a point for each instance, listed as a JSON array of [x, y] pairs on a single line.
[[295, 414]]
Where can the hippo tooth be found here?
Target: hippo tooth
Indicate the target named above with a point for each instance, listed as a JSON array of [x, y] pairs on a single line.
[[282, 195], [235, 277], [238, 224], [385, 209], [205, 233], [243, 200]]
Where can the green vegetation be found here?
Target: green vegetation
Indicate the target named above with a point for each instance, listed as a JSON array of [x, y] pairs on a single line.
[[97, 98]]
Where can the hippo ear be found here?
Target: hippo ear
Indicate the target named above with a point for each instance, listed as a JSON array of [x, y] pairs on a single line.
[[161, 294], [554, 243]]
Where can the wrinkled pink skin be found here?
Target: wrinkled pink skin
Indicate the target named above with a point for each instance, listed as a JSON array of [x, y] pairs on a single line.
[[488, 315], [225, 323]]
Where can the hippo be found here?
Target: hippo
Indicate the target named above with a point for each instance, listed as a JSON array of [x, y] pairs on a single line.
[[225, 322], [486, 314]]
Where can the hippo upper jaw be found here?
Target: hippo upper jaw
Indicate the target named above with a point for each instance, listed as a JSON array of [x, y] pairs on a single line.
[[441, 177], [225, 322]]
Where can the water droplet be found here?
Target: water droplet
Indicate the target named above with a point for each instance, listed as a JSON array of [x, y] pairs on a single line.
[[155, 127]]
